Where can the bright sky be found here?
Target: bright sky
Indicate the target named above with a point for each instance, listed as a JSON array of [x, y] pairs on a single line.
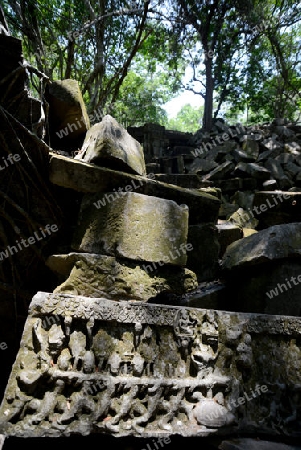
[[173, 106]]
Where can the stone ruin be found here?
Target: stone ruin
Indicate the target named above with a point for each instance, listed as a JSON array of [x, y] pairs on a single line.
[[154, 319], [92, 365]]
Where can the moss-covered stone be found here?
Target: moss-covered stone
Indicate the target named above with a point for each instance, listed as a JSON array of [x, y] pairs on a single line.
[[134, 226], [94, 275], [108, 143]]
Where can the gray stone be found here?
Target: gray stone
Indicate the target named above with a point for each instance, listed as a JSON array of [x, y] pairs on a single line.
[[203, 258], [149, 370], [285, 182], [243, 198], [276, 207], [226, 210], [220, 172], [283, 132], [188, 181], [202, 165], [239, 155], [274, 243], [108, 143], [88, 178], [95, 275], [243, 218], [252, 169], [265, 155], [134, 226], [255, 444], [228, 232], [292, 168], [285, 158], [292, 148], [274, 168], [251, 148], [269, 185], [207, 295], [2, 439], [272, 287], [272, 144], [67, 112]]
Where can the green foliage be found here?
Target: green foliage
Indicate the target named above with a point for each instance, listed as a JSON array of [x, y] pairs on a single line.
[[188, 119], [94, 42], [269, 83], [141, 98], [244, 57]]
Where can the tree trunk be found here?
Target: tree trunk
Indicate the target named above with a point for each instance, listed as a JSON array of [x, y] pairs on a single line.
[[208, 108]]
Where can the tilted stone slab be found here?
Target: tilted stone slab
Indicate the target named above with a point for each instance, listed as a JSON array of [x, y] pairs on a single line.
[[276, 207], [89, 178], [68, 117], [273, 243], [135, 226], [90, 365], [105, 276], [107, 142]]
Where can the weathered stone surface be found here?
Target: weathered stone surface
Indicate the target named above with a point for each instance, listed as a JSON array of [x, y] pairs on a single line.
[[276, 207], [243, 218], [68, 117], [189, 181], [226, 210], [268, 288], [227, 233], [272, 144], [203, 258], [273, 243], [251, 148], [216, 192], [248, 231], [95, 275], [269, 185], [233, 184], [255, 444], [220, 172], [134, 226], [85, 177], [239, 155], [108, 143], [207, 295], [90, 365], [253, 170], [202, 165]]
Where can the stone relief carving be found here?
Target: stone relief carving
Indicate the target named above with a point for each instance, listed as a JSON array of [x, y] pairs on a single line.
[[93, 365]]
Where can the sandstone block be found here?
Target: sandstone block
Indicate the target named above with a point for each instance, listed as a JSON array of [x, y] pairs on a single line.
[[133, 226], [108, 143]]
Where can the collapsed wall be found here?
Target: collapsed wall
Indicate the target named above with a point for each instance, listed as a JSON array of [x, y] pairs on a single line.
[[110, 343]]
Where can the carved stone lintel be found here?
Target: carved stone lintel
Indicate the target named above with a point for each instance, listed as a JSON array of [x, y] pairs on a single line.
[[91, 365]]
